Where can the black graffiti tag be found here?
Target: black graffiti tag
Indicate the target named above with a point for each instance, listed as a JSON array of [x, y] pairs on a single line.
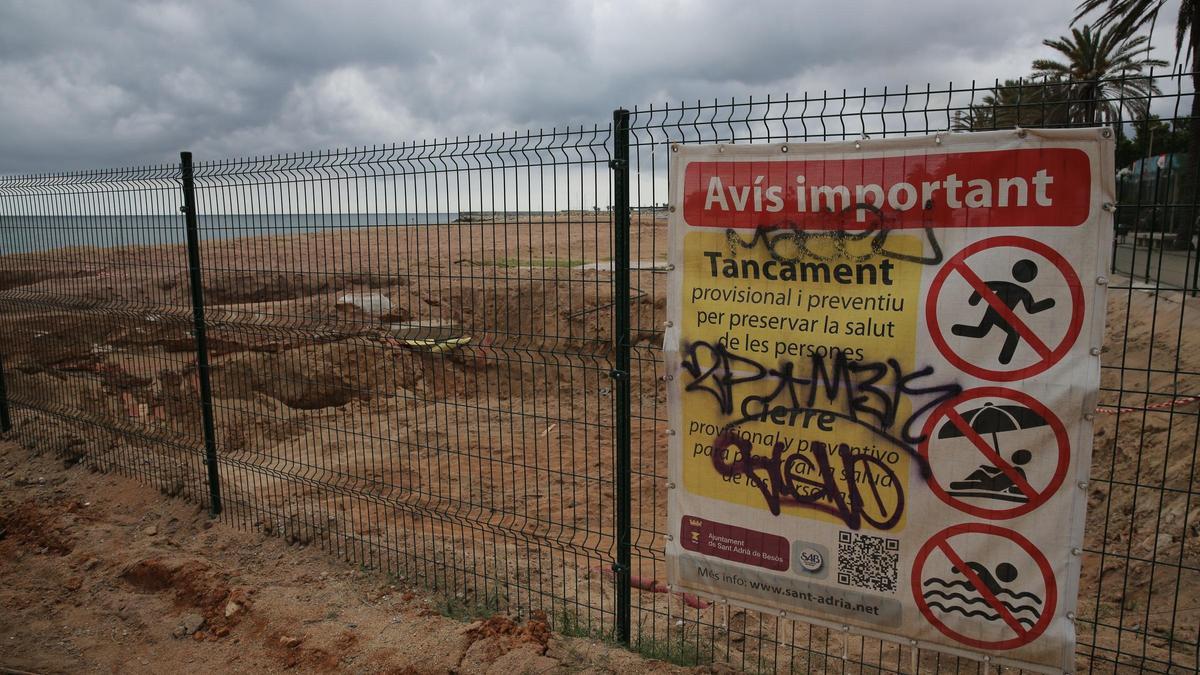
[[778, 478], [864, 392], [867, 394], [789, 242]]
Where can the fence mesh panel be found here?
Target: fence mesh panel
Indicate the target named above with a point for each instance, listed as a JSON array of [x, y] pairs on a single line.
[[1139, 607], [86, 341], [412, 350]]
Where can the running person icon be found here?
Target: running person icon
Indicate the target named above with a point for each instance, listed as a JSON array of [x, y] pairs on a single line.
[[1011, 295]]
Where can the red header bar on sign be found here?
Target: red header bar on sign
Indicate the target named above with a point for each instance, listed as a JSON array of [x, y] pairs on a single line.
[[1044, 187]]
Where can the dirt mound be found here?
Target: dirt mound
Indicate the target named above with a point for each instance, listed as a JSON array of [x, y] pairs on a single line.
[[534, 631], [10, 279], [32, 525], [188, 578], [141, 567], [499, 642], [234, 286], [318, 376], [192, 583]]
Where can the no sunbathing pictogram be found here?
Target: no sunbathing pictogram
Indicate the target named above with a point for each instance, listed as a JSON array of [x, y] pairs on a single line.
[[1001, 298], [984, 603], [1019, 452]]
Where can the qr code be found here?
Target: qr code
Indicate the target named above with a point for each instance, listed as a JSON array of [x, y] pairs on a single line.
[[868, 562]]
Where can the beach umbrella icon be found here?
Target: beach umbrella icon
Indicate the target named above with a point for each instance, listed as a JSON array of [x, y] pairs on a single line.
[[994, 419]]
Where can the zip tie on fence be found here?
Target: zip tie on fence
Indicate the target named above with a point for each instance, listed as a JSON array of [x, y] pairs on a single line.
[[645, 584], [1183, 400]]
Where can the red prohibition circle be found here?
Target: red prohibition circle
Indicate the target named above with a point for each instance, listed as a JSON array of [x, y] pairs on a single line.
[[1056, 425], [958, 262], [941, 541]]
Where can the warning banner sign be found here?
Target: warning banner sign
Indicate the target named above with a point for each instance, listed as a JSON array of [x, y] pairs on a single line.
[[881, 355]]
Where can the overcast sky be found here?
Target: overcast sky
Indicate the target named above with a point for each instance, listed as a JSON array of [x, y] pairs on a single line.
[[98, 84]]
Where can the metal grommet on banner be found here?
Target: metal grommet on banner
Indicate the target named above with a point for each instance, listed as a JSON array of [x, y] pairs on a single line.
[[857, 145], [937, 138], [671, 208], [1101, 281], [1094, 351], [1109, 206], [670, 432], [670, 486], [670, 267], [720, 148], [1082, 484], [783, 148], [1076, 551], [1106, 132], [668, 324], [670, 537], [674, 147], [1071, 616], [1022, 133]]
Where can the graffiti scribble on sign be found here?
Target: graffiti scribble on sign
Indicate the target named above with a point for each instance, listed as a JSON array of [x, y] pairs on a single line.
[[790, 242], [864, 392], [791, 477], [867, 394]]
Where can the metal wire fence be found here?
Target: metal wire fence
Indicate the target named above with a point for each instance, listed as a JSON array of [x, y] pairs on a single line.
[[442, 360]]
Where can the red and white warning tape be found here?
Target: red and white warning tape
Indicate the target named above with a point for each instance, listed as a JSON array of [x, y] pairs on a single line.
[[646, 584], [1184, 400]]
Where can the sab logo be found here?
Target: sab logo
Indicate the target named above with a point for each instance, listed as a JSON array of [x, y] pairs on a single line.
[[811, 560]]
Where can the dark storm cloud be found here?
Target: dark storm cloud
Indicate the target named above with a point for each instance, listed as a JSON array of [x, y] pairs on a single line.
[[100, 84]]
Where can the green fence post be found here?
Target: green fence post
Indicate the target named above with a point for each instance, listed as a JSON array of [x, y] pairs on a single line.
[[206, 406], [621, 227], [5, 417]]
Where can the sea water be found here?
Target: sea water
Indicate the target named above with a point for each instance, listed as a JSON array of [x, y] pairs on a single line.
[[29, 234]]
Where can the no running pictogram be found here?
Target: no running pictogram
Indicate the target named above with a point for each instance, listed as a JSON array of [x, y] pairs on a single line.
[[1000, 275]]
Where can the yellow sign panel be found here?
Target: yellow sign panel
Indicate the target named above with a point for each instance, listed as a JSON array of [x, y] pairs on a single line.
[[749, 312]]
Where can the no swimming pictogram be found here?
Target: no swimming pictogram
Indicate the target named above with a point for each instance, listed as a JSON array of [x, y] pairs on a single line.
[[984, 586], [992, 310], [995, 452]]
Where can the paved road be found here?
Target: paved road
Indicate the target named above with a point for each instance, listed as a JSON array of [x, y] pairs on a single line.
[[1172, 268]]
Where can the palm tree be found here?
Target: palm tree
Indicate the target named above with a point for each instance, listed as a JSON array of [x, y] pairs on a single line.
[[1106, 68], [1019, 103], [1130, 15], [1133, 14]]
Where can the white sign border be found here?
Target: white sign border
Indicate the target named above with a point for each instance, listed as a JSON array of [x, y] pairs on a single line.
[[1102, 200]]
